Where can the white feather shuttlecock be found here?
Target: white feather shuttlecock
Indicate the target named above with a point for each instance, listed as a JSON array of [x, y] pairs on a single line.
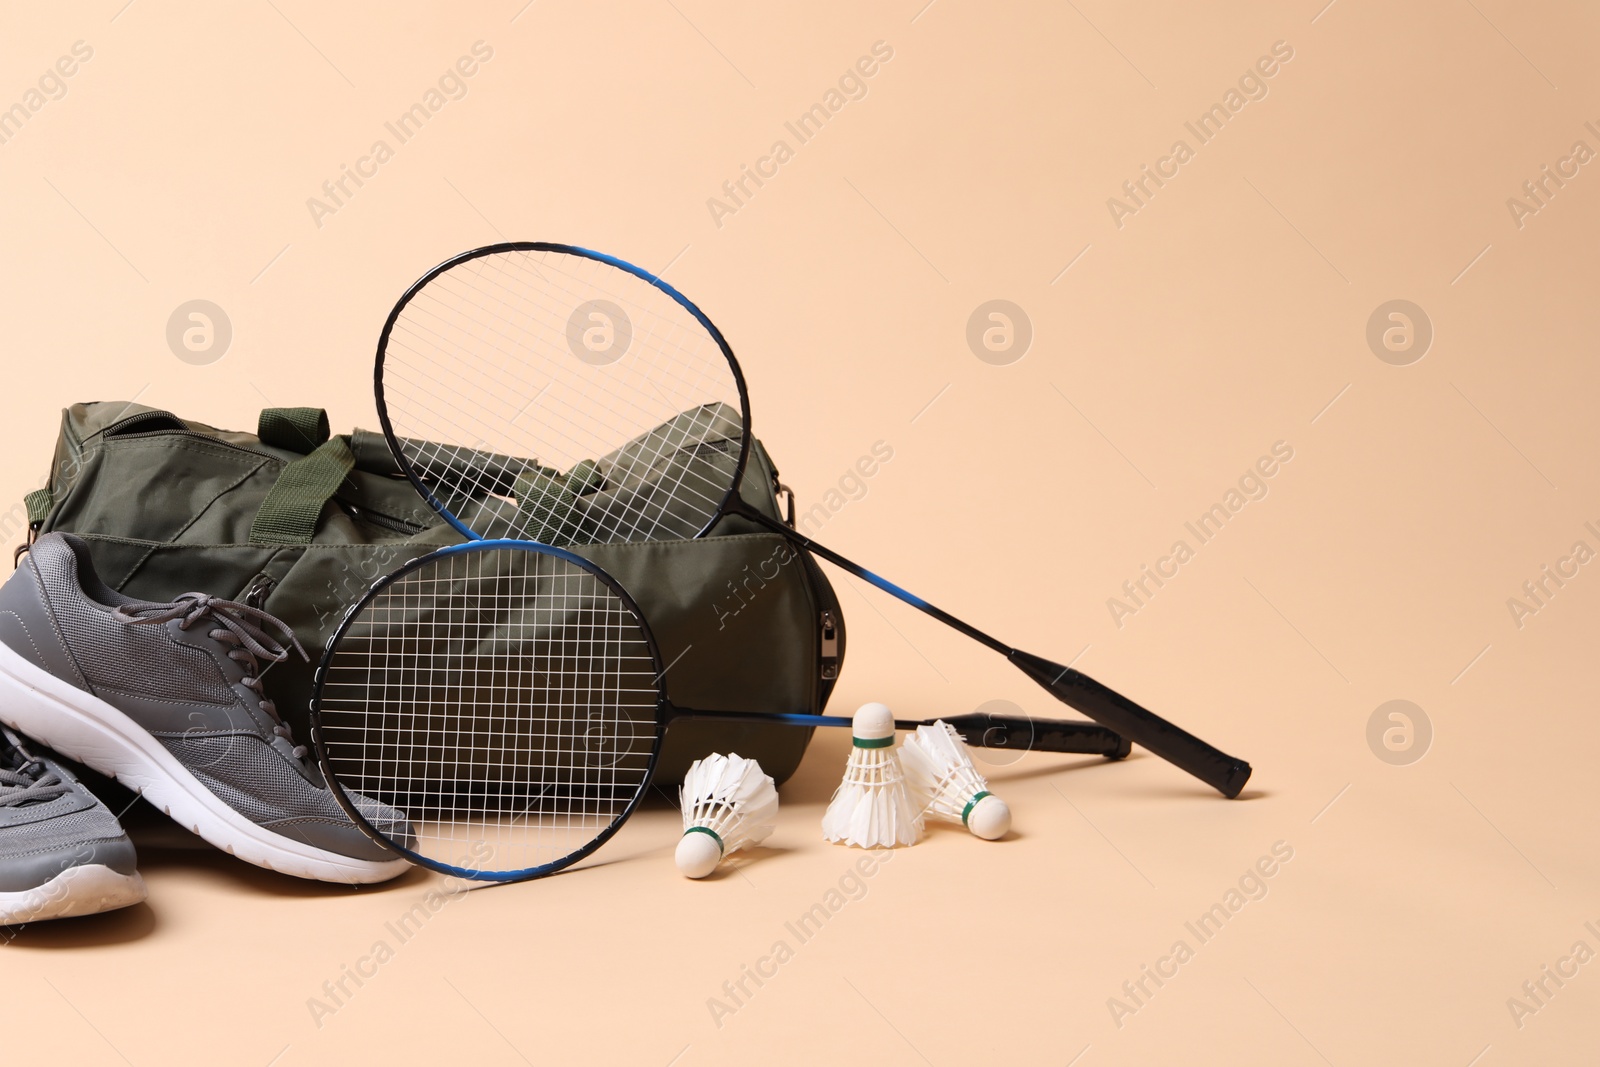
[[728, 803], [871, 808], [943, 781]]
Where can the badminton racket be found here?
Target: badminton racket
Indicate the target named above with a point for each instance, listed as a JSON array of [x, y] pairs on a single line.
[[510, 699], [635, 413]]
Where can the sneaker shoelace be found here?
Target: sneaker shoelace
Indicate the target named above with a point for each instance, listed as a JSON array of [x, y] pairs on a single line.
[[24, 778], [254, 635]]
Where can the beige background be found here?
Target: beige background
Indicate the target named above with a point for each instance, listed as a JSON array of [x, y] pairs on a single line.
[[1227, 314]]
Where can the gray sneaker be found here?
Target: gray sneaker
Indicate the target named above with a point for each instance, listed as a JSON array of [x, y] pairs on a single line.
[[61, 852], [167, 698]]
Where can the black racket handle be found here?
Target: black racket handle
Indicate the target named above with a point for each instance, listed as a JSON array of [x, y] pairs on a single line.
[[985, 731], [1222, 772], [1040, 735]]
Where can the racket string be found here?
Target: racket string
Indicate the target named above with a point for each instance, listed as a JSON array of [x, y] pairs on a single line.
[[428, 299], [470, 345], [484, 485], [481, 481], [503, 699]]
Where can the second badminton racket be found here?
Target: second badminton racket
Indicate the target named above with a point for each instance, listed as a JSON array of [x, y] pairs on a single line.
[[635, 412]]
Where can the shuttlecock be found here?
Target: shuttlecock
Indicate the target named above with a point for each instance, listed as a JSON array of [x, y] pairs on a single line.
[[871, 808], [728, 804], [943, 781]]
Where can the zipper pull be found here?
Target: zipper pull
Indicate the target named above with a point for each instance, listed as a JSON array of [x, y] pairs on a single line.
[[256, 593], [783, 496], [33, 535], [830, 647]]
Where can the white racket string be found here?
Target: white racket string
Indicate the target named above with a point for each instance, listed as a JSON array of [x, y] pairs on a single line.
[[504, 700], [486, 370]]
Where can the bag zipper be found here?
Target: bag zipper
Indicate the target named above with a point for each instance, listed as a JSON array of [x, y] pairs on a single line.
[[186, 433], [830, 647], [378, 518]]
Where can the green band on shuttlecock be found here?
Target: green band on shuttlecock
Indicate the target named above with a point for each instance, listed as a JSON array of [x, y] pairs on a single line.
[[721, 847], [873, 742], [966, 810]]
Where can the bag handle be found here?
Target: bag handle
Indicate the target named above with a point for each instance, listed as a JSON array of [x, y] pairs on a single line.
[[295, 429], [289, 514]]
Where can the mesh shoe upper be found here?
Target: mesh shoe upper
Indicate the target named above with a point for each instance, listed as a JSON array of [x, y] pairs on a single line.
[[108, 655], [49, 822], [189, 672], [268, 789]]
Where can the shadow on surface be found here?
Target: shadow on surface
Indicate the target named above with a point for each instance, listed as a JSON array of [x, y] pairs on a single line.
[[218, 868], [88, 931]]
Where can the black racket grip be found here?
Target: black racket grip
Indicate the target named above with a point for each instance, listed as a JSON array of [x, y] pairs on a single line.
[[1222, 772], [1040, 735]]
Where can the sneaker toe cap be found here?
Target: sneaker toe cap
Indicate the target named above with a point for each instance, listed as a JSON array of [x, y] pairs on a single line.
[[344, 838], [29, 870]]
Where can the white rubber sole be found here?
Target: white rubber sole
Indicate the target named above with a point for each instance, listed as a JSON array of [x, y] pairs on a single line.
[[85, 728], [87, 890]]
